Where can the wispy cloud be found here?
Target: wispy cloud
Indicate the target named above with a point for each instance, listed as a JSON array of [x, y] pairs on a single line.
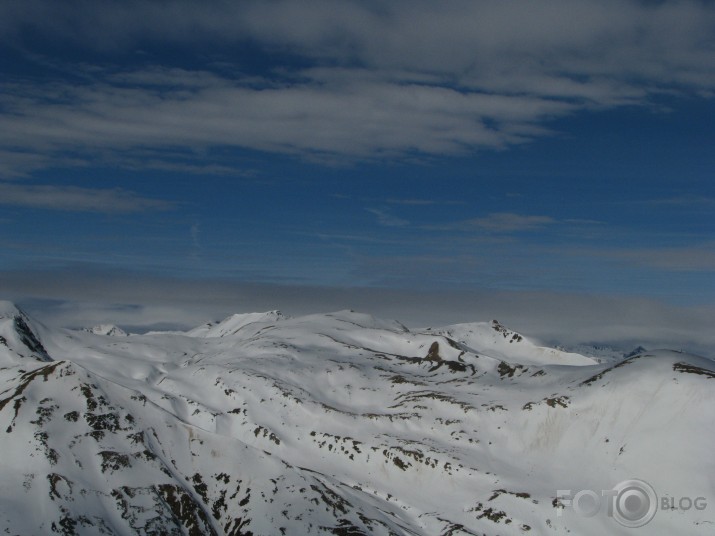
[[582, 221], [173, 163], [412, 202], [385, 218], [684, 201], [423, 202], [498, 223], [508, 222], [20, 162], [72, 198]]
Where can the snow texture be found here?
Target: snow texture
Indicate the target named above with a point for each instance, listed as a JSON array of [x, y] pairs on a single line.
[[339, 424]]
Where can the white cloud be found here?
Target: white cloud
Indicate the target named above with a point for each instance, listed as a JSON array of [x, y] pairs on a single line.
[[356, 115], [385, 79]]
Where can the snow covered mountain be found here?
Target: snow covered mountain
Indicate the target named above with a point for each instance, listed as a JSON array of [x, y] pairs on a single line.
[[107, 329], [341, 424]]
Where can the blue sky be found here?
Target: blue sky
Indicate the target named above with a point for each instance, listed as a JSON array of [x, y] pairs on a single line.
[[559, 148]]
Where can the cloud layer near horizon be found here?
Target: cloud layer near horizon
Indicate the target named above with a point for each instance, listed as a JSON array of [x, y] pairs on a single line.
[[78, 298], [342, 79]]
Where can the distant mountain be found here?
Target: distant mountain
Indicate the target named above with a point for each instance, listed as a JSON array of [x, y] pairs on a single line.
[[339, 424], [109, 330]]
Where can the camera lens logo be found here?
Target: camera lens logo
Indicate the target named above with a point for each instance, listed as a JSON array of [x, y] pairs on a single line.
[[635, 503]]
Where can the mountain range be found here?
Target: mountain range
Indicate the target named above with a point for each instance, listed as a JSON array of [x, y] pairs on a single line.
[[344, 424]]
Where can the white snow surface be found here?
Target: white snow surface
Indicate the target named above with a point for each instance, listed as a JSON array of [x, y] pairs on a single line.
[[234, 323], [340, 424]]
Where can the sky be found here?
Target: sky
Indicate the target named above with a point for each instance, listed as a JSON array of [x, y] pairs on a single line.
[[548, 161]]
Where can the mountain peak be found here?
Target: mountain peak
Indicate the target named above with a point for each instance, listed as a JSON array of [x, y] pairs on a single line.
[[8, 309], [234, 323], [18, 337]]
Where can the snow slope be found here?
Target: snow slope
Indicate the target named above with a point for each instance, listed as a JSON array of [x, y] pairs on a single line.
[[340, 424]]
